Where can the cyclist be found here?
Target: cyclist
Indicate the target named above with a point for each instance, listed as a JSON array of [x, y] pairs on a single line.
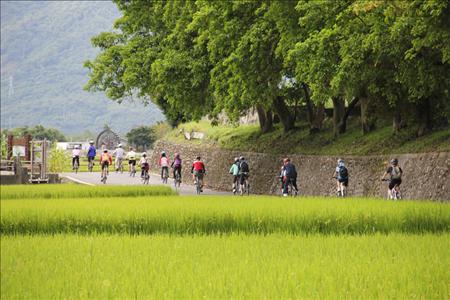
[[234, 170], [143, 162], [198, 170], [105, 160], [164, 164], [243, 172], [92, 152], [131, 157], [341, 175], [395, 173], [176, 165], [76, 156], [290, 176], [119, 153]]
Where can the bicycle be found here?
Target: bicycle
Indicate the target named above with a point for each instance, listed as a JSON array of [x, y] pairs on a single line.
[[245, 187], [342, 190], [177, 179], [119, 165], [132, 170], [394, 193], [164, 174], [75, 166], [198, 183], [90, 164], [146, 177], [105, 172]]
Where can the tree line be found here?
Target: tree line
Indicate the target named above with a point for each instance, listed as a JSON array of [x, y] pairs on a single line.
[[197, 58]]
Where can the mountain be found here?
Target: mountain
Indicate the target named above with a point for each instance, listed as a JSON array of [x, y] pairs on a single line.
[[43, 47]]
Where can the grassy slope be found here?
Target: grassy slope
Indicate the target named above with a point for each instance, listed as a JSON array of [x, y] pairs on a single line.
[[353, 142]]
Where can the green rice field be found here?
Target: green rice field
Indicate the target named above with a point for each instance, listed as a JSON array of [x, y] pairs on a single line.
[[77, 242]]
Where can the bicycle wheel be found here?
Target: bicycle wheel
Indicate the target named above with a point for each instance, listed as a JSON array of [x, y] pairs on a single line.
[[248, 188], [197, 186]]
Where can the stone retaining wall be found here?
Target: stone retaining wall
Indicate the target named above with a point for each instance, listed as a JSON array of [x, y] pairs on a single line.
[[426, 176]]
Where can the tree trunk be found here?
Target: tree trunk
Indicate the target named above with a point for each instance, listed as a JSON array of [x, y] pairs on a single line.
[[343, 123], [315, 112], [424, 117], [265, 119], [338, 114], [367, 121], [284, 113], [319, 115], [397, 121]]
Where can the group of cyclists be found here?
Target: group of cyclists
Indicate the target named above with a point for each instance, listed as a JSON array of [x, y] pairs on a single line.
[[239, 170]]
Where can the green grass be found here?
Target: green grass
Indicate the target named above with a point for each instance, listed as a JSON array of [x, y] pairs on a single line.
[[78, 242], [58, 191], [221, 215], [353, 142], [225, 267]]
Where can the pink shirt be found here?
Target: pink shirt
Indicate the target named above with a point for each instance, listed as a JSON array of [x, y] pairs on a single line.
[[76, 152]]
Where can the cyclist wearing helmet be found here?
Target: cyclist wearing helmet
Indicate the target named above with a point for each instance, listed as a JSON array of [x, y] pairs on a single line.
[[243, 170], [119, 153], [143, 162], [176, 165], [75, 156], [290, 176], [198, 170], [395, 173], [341, 175], [234, 170], [131, 156], [92, 152], [105, 159], [164, 164]]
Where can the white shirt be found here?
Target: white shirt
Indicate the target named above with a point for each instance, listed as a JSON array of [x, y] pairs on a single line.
[[76, 152], [131, 155], [119, 153]]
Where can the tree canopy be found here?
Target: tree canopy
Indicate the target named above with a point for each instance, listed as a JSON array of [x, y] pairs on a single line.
[[197, 58]]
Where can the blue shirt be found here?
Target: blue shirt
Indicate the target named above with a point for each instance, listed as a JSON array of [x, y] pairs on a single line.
[[92, 151]]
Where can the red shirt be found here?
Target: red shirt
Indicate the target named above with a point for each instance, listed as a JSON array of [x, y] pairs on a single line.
[[198, 166]]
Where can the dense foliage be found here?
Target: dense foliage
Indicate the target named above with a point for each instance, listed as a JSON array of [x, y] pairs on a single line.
[[196, 58], [37, 132], [141, 137]]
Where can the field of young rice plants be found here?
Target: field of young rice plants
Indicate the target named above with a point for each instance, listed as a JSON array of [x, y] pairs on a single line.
[[78, 242]]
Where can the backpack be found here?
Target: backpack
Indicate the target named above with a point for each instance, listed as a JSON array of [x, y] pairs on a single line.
[[244, 167], [343, 173], [395, 173]]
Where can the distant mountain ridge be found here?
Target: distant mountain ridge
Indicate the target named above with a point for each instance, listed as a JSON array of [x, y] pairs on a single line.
[[43, 47]]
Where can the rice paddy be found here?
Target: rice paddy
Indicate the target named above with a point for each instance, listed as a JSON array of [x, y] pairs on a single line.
[[91, 243]]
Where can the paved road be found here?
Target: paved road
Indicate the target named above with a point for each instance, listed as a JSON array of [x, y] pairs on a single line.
[[125, 179]]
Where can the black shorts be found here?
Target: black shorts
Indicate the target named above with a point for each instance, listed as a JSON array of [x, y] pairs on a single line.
[[243, 177], [344, 181], [394, 182], [132, 162], [105, 163]]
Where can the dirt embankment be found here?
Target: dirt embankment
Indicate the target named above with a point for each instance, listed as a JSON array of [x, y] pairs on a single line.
[[426, 175]]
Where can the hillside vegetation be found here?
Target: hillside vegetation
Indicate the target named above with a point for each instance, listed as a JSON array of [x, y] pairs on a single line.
[[43, 47], [353, 142]]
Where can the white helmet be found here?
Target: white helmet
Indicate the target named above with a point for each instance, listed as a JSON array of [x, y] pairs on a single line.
[[91, 142], [120, 145], [144, 154], [77, 147]]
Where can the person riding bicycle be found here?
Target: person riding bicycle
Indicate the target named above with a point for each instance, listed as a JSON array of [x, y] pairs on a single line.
[[234, 170], [198, 170], [164, 164], [341, 175], [92, 152], [395, 173], [131, 157], [290, 176], [76, 156], [143, 162], [176, 165], [105, 159], [118, 153], [244, 170]]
